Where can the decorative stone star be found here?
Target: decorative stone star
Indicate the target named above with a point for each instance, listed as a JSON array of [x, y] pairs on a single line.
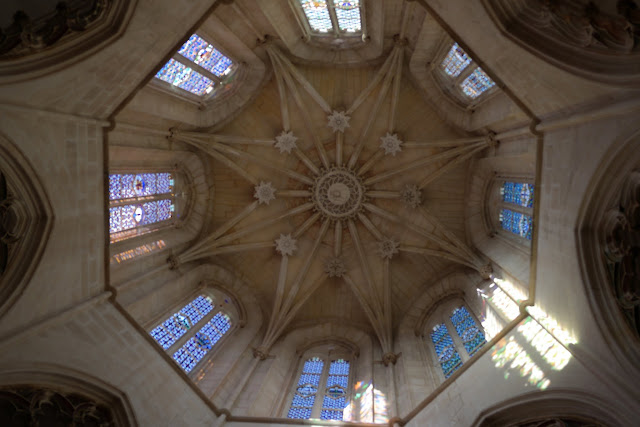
[[388, 247], [338, 121], [265, 192], [286, 142], [411, 195], [391, 144], [286, 245], [335, 267]]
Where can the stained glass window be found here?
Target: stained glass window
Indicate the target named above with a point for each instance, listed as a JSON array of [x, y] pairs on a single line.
[[517, 193], [472, 336], [445, 350], [517, 223], [169, 331], [348, 14], [197, 67], [307, 389], [335, 397], [138, 251], [476, 83], [199, 345], [138, 200], [456, 61], [205, 55], [317, 14]]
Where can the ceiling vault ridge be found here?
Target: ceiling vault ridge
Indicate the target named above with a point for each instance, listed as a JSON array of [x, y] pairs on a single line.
[[338, 196]]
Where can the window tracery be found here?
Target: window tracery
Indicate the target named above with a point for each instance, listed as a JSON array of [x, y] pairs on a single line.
[[517, 208], [462, 76], [178, 336], [309, 400], [455, 336], [198, 68], [138, 202], [339, 18]]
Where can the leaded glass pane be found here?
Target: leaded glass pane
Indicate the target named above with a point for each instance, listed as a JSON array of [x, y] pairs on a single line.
[[476, 83], [472, 336], [179, 323], [348, 14], [335, 399], [305, 394], [456, 61], [517, 223], [131, 216], [317, 15], [178, 74], [518, 193], [203, 341], [445, 350], [205, 55]]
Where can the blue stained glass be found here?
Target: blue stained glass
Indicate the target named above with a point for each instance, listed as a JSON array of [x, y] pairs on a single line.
[[203, 304], [472, 337], [299, 400], [455, 61], [163, 337], [348, 14], [180, 75], [313, 366], [340, 380], [518, 193], [131, 216], [299, 413], [124, 186], [205, 55], [516, 223], [312, 379], [317, 15], [339, 367], [331, 415], [193, 314], [184, 359], [331, 403], [476, 83], [447, 355]]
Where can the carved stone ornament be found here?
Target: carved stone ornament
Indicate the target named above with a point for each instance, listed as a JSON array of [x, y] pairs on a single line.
[[486, 271], [261, 353], [286, 245], [36, 406], [338, 121], [411, 195], [390, 358], [335, 267], [576, 34], [174, 262], [338, 193], [264, 192], [388, 247], [621, 246], [391, 144], [57, 35], [285, 142]]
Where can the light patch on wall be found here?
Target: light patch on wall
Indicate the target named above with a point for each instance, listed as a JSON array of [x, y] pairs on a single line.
[[509, 352], [139, 251], [368, 405]]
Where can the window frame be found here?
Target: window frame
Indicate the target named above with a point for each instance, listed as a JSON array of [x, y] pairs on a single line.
[[453, 85], [336, 38], [206, 99], [229, 308], [495, 204], [442, 315], [117, 245], [327, 353]]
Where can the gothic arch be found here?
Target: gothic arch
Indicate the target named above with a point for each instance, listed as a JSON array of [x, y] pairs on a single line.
[[36, 46], [64, 381], [607, 222], [550, 405], [26, 219], [575, 36]]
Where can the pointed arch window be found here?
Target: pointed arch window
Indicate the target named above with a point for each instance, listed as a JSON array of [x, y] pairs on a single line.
[[337, 18], [189, 334], [461, 76], [517, 208], [455, 337], [199, 69], [139, 203], [322, 389]]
